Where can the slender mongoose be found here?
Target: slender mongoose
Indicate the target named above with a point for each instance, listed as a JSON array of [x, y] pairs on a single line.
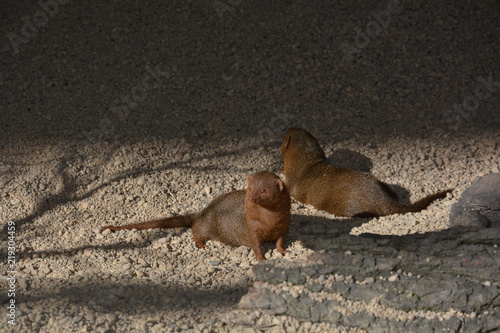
[[252, 217], [343, 192]]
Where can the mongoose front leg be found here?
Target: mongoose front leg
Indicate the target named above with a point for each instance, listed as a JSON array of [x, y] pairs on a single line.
[[258, 253], [280, 245], [256, 247]]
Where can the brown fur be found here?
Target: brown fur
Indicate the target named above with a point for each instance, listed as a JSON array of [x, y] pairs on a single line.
[[343, 192], [259, 214]]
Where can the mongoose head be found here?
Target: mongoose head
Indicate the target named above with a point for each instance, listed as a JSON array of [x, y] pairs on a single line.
[[265, 188], [300, 146]]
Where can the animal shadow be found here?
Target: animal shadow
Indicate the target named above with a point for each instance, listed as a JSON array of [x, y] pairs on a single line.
[[350, 160], [304, 226]]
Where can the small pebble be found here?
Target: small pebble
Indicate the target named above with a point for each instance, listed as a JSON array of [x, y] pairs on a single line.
[[369, 280], [208, 190], [393, 278]]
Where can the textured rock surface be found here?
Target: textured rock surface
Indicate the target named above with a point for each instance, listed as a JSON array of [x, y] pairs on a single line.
[[479, 205], [411, 283]]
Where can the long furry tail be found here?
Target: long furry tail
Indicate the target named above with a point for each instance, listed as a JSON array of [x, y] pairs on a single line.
[[425, 202], [182, 221]]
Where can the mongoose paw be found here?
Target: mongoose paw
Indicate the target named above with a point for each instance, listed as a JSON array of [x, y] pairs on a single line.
[[282, 251], [200, 244]]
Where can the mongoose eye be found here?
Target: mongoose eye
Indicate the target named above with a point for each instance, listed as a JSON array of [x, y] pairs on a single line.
[[262, 190]]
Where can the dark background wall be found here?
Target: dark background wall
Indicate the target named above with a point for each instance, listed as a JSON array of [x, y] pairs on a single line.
[[247, 68]]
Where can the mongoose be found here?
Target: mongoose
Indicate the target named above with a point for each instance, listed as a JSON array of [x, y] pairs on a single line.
[[343, 192], [259, 214]]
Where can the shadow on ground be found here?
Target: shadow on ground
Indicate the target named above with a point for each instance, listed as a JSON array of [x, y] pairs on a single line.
[[130, 297]]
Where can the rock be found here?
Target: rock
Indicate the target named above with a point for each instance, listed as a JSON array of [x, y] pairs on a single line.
[[369, 280], [435, 282], [300, 307], [361, 320], [295, 277], [479, 205], [241, 318], [393, 278], [258, 298], [207, 190], [162, 240]]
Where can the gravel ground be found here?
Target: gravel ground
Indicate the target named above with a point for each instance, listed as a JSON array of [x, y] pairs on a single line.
[[122, 111]]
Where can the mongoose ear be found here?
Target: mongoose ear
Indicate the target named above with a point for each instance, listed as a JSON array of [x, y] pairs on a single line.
[[287, 143], [249, 179], [280, 184]]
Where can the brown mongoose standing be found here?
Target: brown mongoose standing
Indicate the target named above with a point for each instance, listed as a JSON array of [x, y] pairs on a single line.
[[259, 214], [343, 192]]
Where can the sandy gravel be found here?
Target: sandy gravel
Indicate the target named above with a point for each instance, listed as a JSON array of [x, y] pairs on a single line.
[[122, 111]]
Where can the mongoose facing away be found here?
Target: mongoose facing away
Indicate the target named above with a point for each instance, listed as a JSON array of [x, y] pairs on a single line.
[[252, 217], [343, 192]]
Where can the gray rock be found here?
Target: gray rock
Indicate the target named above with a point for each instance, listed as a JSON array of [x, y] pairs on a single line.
[[430, 277], [295, 277], [301, 308], [327, 311], [365, 293], [361, 320], [479, 205], [314, 286], [450, 325], [258, 298], [381, 325]]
